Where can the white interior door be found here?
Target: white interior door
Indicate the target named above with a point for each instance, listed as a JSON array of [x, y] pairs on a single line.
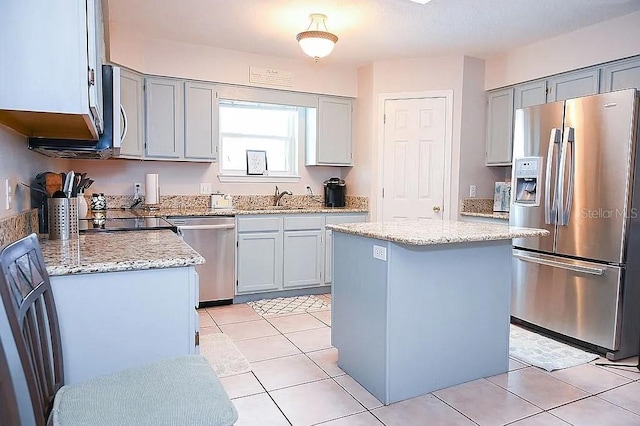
[[414, 159]]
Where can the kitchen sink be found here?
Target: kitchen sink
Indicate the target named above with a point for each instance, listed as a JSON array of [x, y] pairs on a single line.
[[274, 208]]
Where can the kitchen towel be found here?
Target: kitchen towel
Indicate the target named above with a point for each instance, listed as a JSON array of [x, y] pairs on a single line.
[[223, 355], [543, 352], [151, 189]]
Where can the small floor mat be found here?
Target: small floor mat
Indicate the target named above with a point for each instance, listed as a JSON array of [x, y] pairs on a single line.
[[543, 352], [286, 305], [223, 355]]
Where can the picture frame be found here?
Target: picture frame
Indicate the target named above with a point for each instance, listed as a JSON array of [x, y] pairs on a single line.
[[256, 162]]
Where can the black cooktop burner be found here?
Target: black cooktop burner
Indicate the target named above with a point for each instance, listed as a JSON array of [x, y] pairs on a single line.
[[97, 224]]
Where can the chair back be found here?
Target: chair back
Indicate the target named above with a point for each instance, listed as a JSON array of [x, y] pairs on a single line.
[[26, 294], [8, 403]]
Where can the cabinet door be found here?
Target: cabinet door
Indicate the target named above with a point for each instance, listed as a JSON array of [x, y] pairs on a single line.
[[95, 58], [328, 239], [200, 121], [132, 101], [334, 131], [328, 255], [621, 75], [574, 85], [530, 94], [499, 127], [303, 258], [164, 113], [259, 262]]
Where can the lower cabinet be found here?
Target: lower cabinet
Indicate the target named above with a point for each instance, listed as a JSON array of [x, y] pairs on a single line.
[[259, 262], [140, 317], [285, 252]]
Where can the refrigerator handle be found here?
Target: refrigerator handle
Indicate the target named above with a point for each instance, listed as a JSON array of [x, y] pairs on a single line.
[[556, 264], [565, 206], [550, 210]]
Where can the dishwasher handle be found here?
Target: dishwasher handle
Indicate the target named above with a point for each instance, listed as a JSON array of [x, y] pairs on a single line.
[[188, 227]]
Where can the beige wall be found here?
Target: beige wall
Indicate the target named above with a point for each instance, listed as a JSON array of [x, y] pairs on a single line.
[[18, 164], [401, 76], [197, 62], [472, 134], [181, 178], [603, 42]]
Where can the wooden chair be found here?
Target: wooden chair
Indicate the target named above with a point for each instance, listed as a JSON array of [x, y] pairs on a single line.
[[176, 391]]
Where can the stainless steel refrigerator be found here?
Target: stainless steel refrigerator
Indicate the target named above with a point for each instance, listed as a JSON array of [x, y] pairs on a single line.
[[583, 280]]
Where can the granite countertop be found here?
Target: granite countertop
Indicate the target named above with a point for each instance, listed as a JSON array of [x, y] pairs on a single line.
[[122, 213], [117, 251], [491, 215], [421, 233]]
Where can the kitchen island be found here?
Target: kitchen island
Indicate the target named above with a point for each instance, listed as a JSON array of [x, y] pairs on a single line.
[[421, 306], [123, 299]]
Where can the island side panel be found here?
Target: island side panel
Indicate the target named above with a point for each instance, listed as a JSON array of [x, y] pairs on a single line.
[[359, 306], [448, 315], [115, 320]]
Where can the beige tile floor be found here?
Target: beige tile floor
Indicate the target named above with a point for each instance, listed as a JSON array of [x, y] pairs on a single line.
[[295, 380]]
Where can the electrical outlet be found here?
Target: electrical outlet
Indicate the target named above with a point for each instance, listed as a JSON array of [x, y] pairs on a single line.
[[380, 252], [472, 191], [309, 190], [206, 187], [7, 194], [137, 190]]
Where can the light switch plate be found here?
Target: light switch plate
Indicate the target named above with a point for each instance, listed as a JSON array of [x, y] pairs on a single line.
[[206, 188], [7, 194]]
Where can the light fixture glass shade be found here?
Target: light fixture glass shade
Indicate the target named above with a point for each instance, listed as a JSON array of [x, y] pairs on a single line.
[[316, 41]]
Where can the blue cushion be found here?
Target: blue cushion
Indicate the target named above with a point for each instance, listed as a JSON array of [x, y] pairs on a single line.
[[176, 391]]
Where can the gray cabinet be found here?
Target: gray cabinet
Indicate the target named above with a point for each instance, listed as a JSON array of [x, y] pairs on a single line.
[[621, 75], [259, 254], [330, 133], [164, 118], [499, 127], [132, 102], [530, 94], [51, 64], [328, 239], [200, 121], [303, 254], [574, 85]]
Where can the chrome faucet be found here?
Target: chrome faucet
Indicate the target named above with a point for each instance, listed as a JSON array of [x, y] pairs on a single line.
[[279, 195]]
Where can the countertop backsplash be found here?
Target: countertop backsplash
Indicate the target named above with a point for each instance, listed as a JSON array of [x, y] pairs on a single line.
[[239, 201], [18, 226]]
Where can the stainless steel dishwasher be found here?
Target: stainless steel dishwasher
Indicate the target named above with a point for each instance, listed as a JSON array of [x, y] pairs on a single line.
[[214, 238]]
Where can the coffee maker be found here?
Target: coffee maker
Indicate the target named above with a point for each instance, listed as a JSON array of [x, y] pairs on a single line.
[[334, 192]]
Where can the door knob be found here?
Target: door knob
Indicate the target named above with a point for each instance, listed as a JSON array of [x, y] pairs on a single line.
[[436, 209]]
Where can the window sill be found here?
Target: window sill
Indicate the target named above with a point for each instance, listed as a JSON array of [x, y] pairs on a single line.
[[257, 178]]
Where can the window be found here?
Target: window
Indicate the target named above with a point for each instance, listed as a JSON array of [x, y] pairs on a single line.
[[259, 126]]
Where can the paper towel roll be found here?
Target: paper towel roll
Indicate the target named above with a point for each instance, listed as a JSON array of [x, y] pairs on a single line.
[[151, 189]]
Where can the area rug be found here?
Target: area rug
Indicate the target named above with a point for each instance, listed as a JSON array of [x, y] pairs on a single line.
[[543, 352], [223, 355], [289, 305]]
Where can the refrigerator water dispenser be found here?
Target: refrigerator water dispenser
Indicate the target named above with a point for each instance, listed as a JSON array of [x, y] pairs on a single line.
[[528, 177]]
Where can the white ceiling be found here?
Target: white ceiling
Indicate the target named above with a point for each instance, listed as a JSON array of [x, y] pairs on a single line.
[[368, 30]]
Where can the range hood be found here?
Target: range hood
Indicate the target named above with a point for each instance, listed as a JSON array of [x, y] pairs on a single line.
[[109, 142]]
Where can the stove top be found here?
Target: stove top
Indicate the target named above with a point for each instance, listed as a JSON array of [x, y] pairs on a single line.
[[98, 224]]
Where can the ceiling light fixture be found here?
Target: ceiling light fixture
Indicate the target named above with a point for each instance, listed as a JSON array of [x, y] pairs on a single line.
[[317, 41], [421, 1]]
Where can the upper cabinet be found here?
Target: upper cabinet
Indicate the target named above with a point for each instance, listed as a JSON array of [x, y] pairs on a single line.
[[132, 101], [502, 103], [573, 85], [621, 75], [499, 127], [530, 94], [164, 118], [329, 133], [200, 121], [55, 69]]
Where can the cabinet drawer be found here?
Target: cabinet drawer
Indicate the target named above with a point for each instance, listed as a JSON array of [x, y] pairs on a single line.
[[346, 218], [259, 224], [296, 223]]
